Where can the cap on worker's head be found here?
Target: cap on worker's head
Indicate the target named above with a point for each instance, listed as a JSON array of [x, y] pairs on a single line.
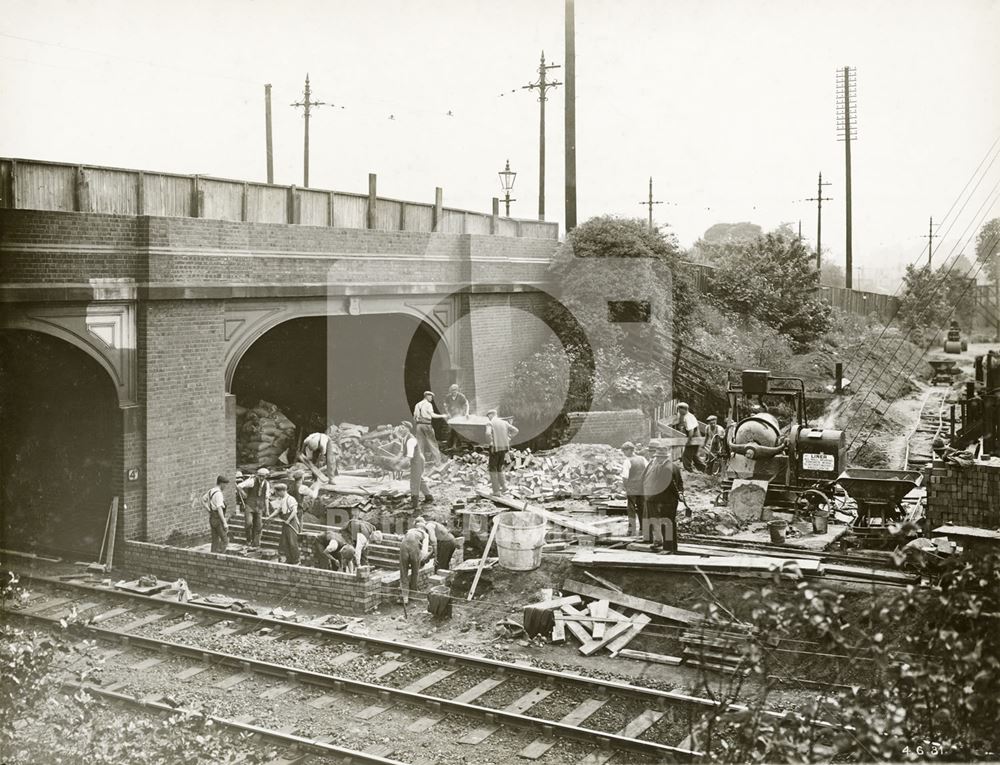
[[376, 537], [407, 424], [418, 519], [222, 479], [280, 487], [298, 475], [263, 472], [659, 446], [419, 523], [628, 446], [453, 387], [682, 405], [491, 411], [428, 393], [712, 418]]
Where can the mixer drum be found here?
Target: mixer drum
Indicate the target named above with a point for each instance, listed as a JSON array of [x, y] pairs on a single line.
[[761, 428]]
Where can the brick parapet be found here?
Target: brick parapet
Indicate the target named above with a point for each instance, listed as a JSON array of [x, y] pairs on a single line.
[[614, 428]]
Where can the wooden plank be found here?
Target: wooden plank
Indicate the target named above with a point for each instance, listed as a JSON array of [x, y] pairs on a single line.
[[520, 706], [79, 607], [345, 658], [233, 680], [578, 630], [387, 668], [556, 518], [321, 702], [632, 602], [482, 560], [47, 605], [109, 615], [146, 664], [278, 690], [547, 605], [718, 564], [602, 581], [611, 633], [559, 630], [187, 674], [173, 629], [425, 723], [417, 686], [638, 625], [641, 724], [599, 610], [540, 746]]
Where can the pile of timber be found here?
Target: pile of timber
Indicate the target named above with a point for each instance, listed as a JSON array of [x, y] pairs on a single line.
[[597, 529], [708, 564], [718, 648]]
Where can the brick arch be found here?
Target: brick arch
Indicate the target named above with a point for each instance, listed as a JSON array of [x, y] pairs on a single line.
[[105, 333], [247, 322]]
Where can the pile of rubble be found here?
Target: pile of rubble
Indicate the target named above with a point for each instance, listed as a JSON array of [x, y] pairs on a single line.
[[588, 471]]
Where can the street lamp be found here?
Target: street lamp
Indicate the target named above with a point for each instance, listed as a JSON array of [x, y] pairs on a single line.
[[507, 177]]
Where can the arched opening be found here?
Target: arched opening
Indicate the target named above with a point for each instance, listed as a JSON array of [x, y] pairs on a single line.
[[59, 456], [367, 370]]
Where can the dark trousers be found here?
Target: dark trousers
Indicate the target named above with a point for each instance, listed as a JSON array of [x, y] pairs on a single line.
[[660, 523], [417, 483], [496, 462], [252, 525], [320, 558], [636, 504], [288, 545], [455, 442], [409, 571], [445, 549], [220, 536], [428, 442], [691, 459]]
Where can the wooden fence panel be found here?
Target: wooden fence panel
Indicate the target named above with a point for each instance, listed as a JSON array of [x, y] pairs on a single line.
[[388, 215], [452, 221], [476, 223], [350, 211], [418, 217], [507, 227], [45, 187], [167, 195], [223, 200], [267, 204], [115, 192], [315, 207]]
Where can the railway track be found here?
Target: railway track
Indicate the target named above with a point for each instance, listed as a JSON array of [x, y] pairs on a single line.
[[164, 650], [919, 451]]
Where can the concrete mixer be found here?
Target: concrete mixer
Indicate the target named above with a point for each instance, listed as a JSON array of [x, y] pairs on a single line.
[[794, 459]]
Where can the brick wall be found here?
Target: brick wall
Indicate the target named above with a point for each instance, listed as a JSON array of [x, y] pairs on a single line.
[[187, 443], [964, 496], [614, 428], [260, 580]]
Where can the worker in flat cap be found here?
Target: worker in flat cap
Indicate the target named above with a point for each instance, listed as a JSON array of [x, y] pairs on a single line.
[[633, 466], [500, 432], [662, 486], [214, 502], [456, 405], [715, 444], [412, 459], [253, 494], [423, 420], [687, 424], [284, 506]]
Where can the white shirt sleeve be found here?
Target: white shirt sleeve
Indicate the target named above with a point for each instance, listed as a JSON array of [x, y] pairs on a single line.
[[411, 446], [625, 469]]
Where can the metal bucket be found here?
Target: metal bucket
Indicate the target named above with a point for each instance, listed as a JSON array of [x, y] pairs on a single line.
[[777, 529], [820, 521], [520, 537]]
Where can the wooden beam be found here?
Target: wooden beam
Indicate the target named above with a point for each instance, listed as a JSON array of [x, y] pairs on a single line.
[[630, 601], [556, 518], [482, 560], [372, 200]]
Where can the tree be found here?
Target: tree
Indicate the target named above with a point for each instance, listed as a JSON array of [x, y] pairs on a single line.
[[988, 249], [832, 275], [930, 298], [913, 675], [772, 278], [721, 238]]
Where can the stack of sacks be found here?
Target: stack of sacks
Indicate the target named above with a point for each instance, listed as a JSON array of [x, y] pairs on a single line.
[[263, 434]]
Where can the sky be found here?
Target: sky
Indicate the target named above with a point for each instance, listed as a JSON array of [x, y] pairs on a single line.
[[728, 104]]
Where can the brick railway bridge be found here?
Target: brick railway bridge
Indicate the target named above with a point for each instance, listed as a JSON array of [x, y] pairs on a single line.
[[138, 307]]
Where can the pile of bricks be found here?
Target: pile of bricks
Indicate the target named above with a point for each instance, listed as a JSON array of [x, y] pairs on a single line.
[[968, 496]]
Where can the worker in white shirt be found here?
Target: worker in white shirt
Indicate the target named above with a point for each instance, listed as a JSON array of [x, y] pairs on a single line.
[[215, 503], [318, 450], [423, 418], [500, 433], [442, 541], [413, 458], [253, 495], [633, 466], [687, 423]]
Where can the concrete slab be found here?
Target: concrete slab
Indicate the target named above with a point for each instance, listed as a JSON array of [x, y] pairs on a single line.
[[759, 533]]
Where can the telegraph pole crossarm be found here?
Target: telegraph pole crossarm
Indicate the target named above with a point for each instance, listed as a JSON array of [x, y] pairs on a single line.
[[543, 85], [307, 104], [649, 203], [930, 241]]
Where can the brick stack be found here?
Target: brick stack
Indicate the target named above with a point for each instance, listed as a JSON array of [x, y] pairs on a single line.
[[964, 496]]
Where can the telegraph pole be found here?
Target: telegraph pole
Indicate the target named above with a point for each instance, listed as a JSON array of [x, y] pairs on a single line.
[[930, 241], [542, 86], [649, 203], [847, 130], [819, 199], [570, 116], [267, 133], [307, 104]]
